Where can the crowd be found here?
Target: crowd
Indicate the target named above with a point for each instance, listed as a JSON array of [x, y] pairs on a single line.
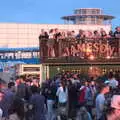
[[67, 96], [61, 43], [61, 34]]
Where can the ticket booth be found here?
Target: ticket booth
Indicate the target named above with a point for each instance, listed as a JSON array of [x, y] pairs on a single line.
[[33, 69]]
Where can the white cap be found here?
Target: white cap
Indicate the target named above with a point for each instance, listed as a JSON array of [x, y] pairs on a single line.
[[115, 102]]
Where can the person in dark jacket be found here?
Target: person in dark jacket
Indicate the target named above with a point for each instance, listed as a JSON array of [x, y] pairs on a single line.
[[37, 101], [72, 100], [8, 98], [16, 111], [51, 96]]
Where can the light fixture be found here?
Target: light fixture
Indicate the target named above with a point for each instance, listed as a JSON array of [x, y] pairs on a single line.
[[108, 57], [91, 57]]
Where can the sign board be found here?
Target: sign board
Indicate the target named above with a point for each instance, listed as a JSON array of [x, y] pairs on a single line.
[[82, 48]]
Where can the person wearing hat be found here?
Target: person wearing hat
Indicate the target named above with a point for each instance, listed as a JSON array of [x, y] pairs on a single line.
[[100, 100], [114, 112]]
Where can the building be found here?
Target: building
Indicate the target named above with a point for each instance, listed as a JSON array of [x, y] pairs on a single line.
[[19, 42], [15, 35], [89, 16]]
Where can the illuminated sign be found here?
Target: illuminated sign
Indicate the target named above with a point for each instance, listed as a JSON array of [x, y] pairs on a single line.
[[81, 48], [89, 48]]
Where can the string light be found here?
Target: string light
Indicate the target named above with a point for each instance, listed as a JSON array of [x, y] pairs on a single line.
[[91, 57], [108, 57]]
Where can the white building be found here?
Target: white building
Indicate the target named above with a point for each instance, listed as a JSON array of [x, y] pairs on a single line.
[[14, 35]]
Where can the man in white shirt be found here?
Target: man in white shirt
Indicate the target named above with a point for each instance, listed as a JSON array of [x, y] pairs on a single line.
[[62, 95], [113, 83]]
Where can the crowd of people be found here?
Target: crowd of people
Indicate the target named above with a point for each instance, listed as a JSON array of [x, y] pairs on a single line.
[[67, 96], [61, 43], [61, 34]]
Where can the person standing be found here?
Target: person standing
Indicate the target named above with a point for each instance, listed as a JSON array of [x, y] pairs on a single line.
[[114, 109], [37, 102], [51, 101], [16, 111], [1, 98], [100, 101], [62, 93], [8, 98]]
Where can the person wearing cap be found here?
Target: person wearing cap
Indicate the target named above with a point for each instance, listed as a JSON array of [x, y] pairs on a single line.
[[114, 112], [100, 101]]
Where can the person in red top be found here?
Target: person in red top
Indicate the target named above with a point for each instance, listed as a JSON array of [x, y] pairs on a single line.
[[81, 98]]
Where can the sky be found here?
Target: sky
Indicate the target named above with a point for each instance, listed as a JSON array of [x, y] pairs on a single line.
[[51, 11]]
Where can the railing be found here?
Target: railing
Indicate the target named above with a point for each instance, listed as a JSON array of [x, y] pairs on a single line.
[[91, 48]]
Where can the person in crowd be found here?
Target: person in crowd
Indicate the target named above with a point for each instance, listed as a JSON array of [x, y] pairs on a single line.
[[46, 35], [43, 34], [63, 35], [51, 97], [111, 34], [113, 82], [117, 32], [82, 93], [22, 88], [62, 93], [9, 95], [89, 34], [28, 92], [35, 82], [16, 111], [3, 84], [57, 36], [73, 34], [1, 98], [80, 34], [93, 88], [1, 112], [72, 100], [100, 101], [103, 33], [89, 96], [83, 114], [43, 37], [2, 88], [17, 82], [96, 34], [37, 101], [114, 110], [50, 43]]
